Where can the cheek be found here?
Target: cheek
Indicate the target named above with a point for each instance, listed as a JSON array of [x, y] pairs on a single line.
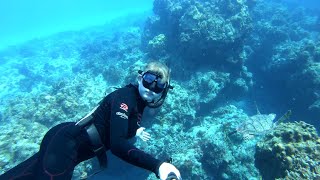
[[156, 96], [147, 94], [150, 96]]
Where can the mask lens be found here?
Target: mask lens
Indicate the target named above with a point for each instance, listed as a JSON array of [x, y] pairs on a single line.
[[157, 90], [149, 78], [148, 81], [161, 85]]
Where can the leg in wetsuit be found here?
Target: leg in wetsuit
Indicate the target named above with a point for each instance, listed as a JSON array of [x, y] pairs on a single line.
[[62, 148]]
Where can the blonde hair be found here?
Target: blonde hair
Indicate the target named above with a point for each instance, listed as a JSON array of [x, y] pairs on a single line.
[[159, 68]]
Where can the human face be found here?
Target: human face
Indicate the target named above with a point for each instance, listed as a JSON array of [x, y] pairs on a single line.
[[153, 82], [146, 93]]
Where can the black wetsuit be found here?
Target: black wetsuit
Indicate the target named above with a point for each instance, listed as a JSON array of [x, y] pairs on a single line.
[[64, 146]]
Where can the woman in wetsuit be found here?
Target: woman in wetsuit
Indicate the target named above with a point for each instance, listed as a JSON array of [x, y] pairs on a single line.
[[107, 127]]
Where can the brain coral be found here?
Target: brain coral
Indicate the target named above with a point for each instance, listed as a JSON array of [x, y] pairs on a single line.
[[290, 151]]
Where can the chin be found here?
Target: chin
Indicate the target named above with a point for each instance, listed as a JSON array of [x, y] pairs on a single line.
[[147, 98]]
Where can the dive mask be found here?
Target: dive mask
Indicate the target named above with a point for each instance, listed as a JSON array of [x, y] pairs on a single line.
[[152, 82]]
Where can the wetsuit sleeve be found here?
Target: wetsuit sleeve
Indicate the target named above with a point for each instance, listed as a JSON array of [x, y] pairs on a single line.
[[121, 107]]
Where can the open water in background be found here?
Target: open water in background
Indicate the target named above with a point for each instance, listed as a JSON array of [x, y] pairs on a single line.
[[25, 20]]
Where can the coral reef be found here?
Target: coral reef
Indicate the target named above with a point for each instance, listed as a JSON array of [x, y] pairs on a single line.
[[157, 46], [284, 53], [195, 26], [205, 150], [290, 151], [19, 141], [197, 35], [189, 100], [65, 101]]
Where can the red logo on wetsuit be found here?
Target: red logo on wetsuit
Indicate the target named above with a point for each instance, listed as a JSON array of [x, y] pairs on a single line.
[[124, 107]]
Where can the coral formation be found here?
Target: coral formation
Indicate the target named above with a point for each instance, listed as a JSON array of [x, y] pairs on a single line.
[[204, 150], [157, 46], [193, 27], [290, 151], [284, 52], [18, 141], [189, 100], [197, 34]]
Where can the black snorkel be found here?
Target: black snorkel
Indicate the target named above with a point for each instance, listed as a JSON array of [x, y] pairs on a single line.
[[172, 176], [160, 101]]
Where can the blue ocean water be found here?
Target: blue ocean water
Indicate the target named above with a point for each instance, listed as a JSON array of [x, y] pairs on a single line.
[[312, 4], [235, 64], [25, 20]]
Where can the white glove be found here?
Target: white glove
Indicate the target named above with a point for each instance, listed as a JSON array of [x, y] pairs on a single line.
[[142, 134], [166, 168]]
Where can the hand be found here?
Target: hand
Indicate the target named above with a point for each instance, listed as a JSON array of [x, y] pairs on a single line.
[[166, 168], [142, 134]]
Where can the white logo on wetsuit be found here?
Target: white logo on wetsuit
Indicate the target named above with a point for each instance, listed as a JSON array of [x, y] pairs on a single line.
[[122, 115]]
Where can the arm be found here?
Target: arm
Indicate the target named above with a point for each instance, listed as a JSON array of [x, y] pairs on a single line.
[[118, 135]]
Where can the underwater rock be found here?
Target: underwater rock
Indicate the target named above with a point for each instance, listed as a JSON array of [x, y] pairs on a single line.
[[308, 80], [157, 45], [290, 151], [285, 48], [194, 35], [206, 86], [210, 32], [18, 141]]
